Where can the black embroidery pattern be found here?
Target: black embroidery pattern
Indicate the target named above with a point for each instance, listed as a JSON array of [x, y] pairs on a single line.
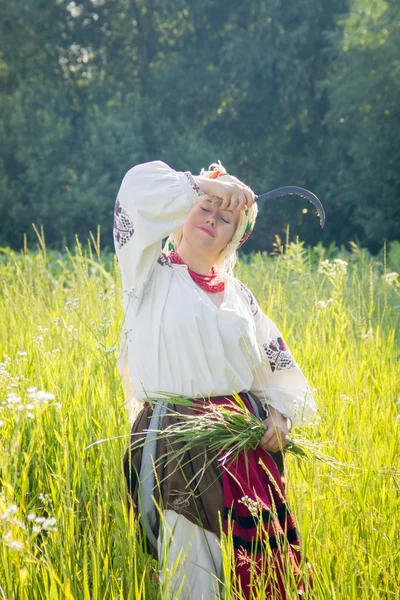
[[164, 260], [279, 355], [123, 226], [252, 301], [194, 185]]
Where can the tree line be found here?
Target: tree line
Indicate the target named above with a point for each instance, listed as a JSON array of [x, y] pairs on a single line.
[[283, 92]]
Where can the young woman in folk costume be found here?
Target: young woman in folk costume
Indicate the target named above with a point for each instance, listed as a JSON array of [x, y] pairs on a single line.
[[192, 329]]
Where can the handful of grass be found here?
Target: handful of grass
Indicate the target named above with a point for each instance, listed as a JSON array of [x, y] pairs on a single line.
[[225, 429]]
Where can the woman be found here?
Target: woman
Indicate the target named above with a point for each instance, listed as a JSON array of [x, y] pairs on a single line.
[[192, 329]]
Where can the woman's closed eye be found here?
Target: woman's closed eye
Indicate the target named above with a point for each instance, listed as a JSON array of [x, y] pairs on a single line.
[[222, 218]]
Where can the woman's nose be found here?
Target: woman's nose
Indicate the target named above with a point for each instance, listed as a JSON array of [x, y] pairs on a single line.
[[212, 219]]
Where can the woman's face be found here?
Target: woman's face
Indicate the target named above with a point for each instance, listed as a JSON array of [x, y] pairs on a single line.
[[209, 227]]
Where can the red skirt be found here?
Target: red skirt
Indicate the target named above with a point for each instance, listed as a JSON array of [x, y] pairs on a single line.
[[247, 493]]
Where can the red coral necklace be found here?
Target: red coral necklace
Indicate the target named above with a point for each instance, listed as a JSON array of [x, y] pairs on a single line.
[[203, 281]]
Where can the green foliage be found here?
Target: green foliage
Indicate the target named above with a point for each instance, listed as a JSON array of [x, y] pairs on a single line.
[[60, 317], [292, 92], [364, 114]]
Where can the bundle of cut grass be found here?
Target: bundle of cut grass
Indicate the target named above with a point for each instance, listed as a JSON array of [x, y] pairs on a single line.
[[226, 429]]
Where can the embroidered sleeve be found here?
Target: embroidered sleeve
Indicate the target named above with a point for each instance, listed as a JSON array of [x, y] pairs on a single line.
[[123, 226], [197, 190], [279, 381], [278, 355], [153, 202]]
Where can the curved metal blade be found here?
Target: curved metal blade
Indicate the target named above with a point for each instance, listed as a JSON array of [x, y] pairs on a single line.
[[293, 190]]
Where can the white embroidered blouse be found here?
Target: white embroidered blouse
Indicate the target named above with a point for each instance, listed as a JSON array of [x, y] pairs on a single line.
[[174, 338]]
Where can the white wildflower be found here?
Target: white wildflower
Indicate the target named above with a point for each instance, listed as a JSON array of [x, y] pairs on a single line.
[[40, 520], [13, 399], [250, 504], [9, 512], [15, 545], [368, 336], [109, 350], [50, 524], [41, 396], [391, 278], [324, 303], [44, 396], [31, 517], [72, 303], [346, 398], [333, 269]]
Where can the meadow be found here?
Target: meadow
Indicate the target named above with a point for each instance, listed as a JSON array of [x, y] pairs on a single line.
[[64, 526]]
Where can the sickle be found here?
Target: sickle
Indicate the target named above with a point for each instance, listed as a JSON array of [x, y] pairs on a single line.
[[293, 190]]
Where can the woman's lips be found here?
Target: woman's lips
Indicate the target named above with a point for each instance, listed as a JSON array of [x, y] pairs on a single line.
[[207, 231]]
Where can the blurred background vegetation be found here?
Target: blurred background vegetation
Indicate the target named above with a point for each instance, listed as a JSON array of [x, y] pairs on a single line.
[[283, 92]]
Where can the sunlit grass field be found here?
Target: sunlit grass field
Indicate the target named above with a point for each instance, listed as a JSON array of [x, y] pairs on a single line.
[[64, 526]]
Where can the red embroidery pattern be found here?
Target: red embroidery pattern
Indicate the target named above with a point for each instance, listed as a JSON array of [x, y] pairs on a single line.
[[164, 260], [123, 226], [194, 185], [279, 355]]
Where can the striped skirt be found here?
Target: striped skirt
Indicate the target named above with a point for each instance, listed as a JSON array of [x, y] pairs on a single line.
[[245, 495]]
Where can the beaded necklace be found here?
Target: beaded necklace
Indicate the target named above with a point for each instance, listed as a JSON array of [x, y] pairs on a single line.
[[203, 281]]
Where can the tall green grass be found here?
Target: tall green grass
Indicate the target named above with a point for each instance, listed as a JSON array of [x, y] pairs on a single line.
[[64, 526]]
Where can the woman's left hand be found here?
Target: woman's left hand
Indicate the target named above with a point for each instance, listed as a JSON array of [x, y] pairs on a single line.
[[277, 435]]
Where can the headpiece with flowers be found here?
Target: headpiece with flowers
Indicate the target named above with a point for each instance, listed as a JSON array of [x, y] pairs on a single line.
[[227, 259]]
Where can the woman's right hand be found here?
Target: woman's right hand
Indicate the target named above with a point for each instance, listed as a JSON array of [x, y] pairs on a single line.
[[233, 194]]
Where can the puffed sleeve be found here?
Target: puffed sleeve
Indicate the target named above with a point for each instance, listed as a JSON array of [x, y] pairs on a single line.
[[279, 381], [153, 202]]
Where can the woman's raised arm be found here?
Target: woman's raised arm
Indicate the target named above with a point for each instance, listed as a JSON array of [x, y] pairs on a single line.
[[153, 202]]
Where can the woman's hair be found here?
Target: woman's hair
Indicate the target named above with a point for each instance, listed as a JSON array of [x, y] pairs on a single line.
[[226, 261]]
